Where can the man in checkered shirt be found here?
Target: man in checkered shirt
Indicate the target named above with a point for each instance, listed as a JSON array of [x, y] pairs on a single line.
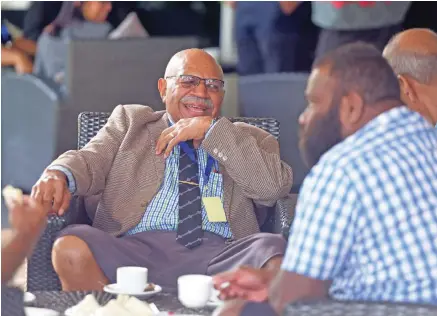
[[366, 220]]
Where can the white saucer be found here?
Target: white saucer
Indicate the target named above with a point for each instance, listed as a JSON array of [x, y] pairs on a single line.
[[113, 289], [29, 297], [35, 311]]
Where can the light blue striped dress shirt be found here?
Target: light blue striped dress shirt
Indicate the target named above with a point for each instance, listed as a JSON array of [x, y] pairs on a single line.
[[163, 211]]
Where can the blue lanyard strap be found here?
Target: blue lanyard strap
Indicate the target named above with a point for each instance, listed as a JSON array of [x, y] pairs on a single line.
[[191, 153]]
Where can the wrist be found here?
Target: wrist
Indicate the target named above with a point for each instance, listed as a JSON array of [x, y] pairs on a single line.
[[28, 236], [55, 174]]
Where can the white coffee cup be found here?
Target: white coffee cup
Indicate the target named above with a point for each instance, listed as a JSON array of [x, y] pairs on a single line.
[[132, 279], [194, 290]]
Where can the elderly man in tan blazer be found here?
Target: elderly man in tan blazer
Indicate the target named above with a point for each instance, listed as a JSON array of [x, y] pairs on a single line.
[[178, 187]]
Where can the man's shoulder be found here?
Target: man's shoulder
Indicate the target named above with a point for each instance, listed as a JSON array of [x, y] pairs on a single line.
[[252, 129], [138, 113]]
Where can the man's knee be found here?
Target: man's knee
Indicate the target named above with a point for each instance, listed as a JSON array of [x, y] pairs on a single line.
[[70, 254], [269, 240]]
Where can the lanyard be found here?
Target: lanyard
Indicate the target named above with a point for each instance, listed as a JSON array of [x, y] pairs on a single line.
[[190, 152]]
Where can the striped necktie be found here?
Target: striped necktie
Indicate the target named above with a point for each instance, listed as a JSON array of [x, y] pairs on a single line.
[[189, 232]]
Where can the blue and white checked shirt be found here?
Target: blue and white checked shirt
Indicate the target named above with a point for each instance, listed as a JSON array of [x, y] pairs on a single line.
[[367, 214]]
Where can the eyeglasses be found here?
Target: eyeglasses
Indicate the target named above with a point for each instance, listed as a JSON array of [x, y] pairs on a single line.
[[190, 82]]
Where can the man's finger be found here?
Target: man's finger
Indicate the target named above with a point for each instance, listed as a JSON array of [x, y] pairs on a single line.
[[232, 292], [38, 196], [167, 140], [11, 202], [226, 277], [58, 196], [161, 143], [33, 192], [49, 191], [65, 203], [176, 140]]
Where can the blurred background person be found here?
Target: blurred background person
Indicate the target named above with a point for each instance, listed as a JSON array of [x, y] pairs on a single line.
[[413, 56], [274, 36], [17, 53], [75, 20], [42, 13], [344, 22]]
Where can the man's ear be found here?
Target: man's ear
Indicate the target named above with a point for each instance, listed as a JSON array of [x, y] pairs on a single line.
[[407, 89], [351, 109], [162, 88]]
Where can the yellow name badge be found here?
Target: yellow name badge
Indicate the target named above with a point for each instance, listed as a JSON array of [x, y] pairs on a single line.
[[214, 209]]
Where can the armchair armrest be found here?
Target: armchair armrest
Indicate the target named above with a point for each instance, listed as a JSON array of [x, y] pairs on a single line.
[[284, 211], [41, 275], [280, 221]]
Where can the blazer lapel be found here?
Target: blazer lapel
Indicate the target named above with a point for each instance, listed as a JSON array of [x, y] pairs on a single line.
[[155, 130]]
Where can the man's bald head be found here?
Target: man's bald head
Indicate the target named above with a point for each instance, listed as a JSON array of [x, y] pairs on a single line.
[[413, 56], [192, 85], [413, 53], [193, 58]]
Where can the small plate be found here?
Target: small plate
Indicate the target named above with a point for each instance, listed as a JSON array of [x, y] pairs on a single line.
[[70, 311], [113, 289], [29, 297], [35, 311]]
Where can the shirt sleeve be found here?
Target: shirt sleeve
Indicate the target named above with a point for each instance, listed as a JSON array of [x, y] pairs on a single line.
[[210, 128], [322, 233], [70, 177]]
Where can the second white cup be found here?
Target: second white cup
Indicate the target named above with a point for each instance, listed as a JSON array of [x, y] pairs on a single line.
[[194, 290], [132, 279]]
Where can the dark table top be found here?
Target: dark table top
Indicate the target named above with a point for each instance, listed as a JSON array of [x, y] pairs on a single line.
[[60, 301]]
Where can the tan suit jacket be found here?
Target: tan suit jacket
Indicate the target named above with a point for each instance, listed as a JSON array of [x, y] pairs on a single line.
[[120, 164]]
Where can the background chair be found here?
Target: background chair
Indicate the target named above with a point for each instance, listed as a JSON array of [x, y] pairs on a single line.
[[281, 96], [40, 272]]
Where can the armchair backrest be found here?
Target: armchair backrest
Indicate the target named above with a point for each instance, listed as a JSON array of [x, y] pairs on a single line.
[[91, 122], [281, 96]]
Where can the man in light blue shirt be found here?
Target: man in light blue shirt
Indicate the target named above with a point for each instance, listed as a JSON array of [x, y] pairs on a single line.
[[413, 57], [366, 222]]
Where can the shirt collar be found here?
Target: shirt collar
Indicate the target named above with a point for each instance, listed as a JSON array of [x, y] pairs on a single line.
[[170, 119]]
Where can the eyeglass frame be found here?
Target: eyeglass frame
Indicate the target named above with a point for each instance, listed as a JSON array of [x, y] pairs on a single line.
[[200, 80]]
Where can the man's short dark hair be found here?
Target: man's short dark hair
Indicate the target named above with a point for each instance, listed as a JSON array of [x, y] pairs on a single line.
[[360, 67]]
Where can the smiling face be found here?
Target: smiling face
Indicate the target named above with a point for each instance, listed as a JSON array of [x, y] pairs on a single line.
[[193, 85]]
